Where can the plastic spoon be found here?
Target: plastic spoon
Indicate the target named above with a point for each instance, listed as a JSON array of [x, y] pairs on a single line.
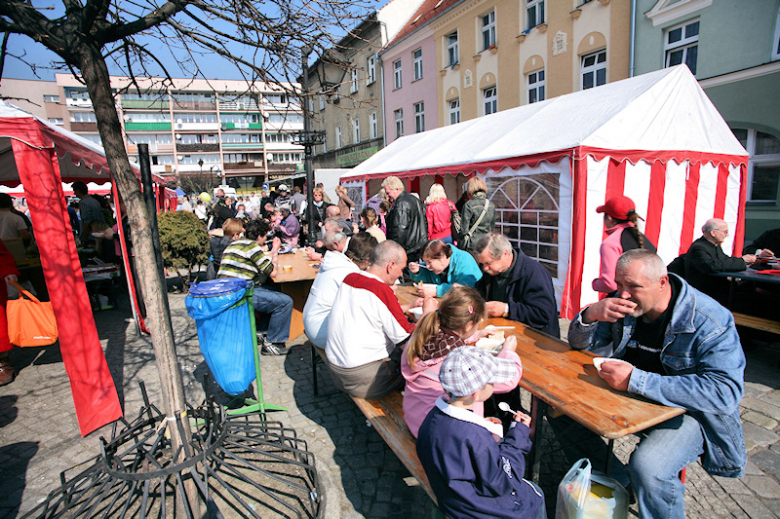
[[505, 407]]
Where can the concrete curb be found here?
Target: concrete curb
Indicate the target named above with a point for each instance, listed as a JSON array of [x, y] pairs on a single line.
[[331, 494]]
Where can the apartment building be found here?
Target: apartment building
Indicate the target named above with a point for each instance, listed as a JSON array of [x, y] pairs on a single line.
[[236, 133], [733, 48], [498, 54]]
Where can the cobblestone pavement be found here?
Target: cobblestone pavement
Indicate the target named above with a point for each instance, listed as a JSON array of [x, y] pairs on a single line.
[[360, 475]]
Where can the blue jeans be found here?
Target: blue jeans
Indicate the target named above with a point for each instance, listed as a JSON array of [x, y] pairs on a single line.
[[279, 307], [656, 462]]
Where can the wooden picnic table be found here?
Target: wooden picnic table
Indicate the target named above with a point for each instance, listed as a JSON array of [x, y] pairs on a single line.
[[296, 281], [563, 378]]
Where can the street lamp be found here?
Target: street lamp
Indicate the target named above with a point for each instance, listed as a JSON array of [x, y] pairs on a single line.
[[308, 139]]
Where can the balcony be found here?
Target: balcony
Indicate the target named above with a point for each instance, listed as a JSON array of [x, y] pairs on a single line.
[[197, 126], [78, 103], [190, 148], [242, 146], [238, 106], [163, 149], [145, 104], [83, 127], [150, 126], [194, 105], [241, 126], [248, 166]]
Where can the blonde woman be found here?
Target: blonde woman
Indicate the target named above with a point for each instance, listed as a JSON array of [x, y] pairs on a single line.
[[438, 212], [453, 325], [345, 203]]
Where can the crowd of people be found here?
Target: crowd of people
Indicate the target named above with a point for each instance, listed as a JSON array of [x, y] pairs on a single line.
[[680, 344]]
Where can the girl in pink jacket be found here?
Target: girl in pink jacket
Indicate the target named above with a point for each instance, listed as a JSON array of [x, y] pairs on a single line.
[[437, 333]]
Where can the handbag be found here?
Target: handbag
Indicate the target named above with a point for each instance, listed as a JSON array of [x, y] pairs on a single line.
[[30, 321], [465, 242], [586, 494], [455, 222]]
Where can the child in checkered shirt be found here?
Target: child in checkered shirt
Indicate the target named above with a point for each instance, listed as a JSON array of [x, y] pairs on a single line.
[[474, 469]]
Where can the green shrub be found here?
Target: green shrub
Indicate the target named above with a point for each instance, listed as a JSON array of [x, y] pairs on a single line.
[[184, 243]]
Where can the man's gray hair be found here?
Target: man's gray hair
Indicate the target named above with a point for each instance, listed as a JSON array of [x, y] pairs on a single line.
[[333, 237], [393, 183], [496, 243], [711, 225], [386, 252], [654, 265]]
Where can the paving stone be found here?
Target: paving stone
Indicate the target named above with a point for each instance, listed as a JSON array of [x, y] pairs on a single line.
[[753, 469], [763, 486], [733, 486], [753, 507], [768, 460], [759, 419], [773, 397], [757, 436], [755, 404], [754, 390]]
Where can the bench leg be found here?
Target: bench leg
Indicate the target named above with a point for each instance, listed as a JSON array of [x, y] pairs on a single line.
[[538, 409], [314, 370]]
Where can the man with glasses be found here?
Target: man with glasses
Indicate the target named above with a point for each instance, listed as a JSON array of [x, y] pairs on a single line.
[[705, 257]]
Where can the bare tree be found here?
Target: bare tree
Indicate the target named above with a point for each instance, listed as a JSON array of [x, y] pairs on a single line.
[[262, 39]]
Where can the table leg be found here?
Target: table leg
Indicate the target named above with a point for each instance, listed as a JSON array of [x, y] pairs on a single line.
[[538, 409], [610, 449]]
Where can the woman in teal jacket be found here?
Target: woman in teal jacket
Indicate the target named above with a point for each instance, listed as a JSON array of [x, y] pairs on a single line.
[[444, 265]]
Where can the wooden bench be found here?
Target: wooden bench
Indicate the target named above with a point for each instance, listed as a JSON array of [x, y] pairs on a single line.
[[757, 323], [386, 416]]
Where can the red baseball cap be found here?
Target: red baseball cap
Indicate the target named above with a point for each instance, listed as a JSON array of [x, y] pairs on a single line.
[[618, 207]]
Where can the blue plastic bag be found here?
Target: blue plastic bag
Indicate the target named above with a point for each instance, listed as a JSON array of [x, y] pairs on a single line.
[[221, 309]]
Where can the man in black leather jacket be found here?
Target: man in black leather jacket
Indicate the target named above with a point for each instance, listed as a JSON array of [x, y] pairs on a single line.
[[406, 223]]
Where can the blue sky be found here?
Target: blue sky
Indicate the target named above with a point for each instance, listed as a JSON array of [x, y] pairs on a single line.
[[44, 59]]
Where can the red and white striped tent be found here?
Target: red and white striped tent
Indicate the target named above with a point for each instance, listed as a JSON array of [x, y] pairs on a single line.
[[656, 138]]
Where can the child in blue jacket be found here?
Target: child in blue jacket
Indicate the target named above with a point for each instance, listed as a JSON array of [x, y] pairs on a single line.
[[476, 471]]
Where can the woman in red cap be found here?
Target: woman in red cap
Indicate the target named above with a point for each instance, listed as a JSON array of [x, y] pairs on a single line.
[[619, 216]]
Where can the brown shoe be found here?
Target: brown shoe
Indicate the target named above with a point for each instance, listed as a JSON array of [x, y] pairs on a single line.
[[7, 373]]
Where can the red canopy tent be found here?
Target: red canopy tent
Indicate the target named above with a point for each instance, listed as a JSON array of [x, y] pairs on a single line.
[[41, 156]]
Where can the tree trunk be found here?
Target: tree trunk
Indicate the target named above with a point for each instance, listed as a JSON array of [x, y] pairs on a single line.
[[95, 74]]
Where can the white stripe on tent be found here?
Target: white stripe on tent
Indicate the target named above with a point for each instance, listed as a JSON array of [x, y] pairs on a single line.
[[705, 201], [732, 207], [637, 188], [672, 215], [594, 228], [565, 222]]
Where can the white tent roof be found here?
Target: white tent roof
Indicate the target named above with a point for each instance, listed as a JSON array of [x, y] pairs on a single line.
[[665, 110]]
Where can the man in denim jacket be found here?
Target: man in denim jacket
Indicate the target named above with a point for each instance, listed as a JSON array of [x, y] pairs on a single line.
[[684, 352]]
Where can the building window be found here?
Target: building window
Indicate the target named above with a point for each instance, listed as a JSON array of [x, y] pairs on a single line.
[[57, 120], [339, 144], [419, 117], [399, 123], [681, 45], [322, 102], [776, 41], [83, 117], [418, 65], [51, 99], [371, 69], [354, 83], [536, 87], [488, 30], [356, 131], [374, 126], [763, 166], [452, 48], [455, 111], [397, 74], [594, 69], [534, 11], [490, 100]]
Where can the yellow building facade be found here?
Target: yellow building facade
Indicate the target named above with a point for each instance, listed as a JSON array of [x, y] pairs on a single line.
[[498, 54]]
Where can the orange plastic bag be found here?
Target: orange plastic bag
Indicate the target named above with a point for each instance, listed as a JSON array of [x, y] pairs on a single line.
[[30, 322]]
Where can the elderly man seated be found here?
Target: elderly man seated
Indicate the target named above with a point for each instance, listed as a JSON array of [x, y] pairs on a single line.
[[333, 238], [367, 327], [246, 259], [515, 286], [289, 228], [335, 266], [682, 350]]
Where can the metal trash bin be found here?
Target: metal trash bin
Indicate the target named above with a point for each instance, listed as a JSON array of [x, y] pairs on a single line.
[[222, 309]]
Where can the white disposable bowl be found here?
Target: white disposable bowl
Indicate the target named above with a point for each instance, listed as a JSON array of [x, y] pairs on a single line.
[[416, 312], [599, 360], [489, 344]]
